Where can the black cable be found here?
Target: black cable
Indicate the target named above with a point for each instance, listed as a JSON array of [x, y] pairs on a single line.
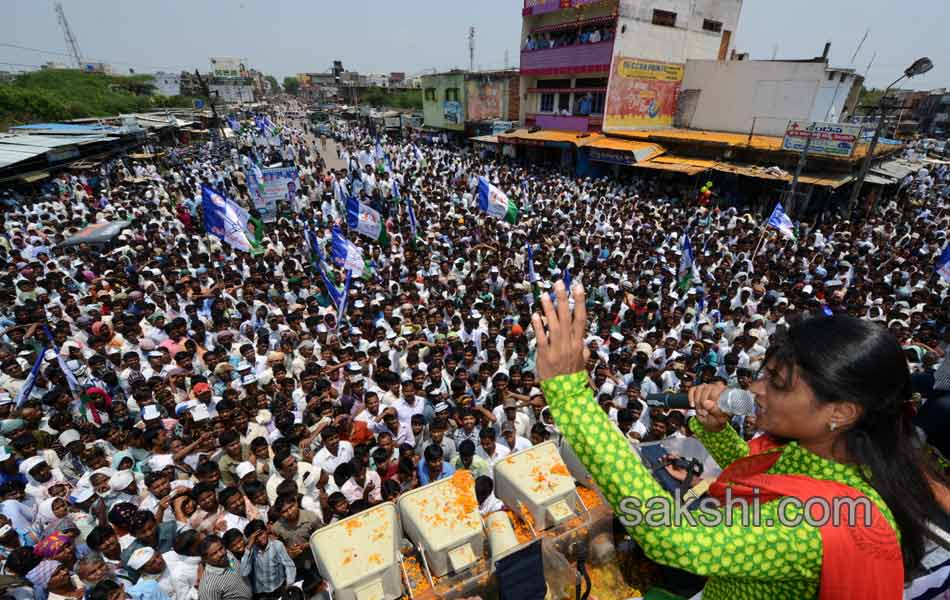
[[580, 554]]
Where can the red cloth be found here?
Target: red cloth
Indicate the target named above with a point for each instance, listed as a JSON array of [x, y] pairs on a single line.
[[359, 433], [857, 562]]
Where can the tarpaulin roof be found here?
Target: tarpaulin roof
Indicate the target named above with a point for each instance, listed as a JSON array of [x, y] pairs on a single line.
[[66, 128], [548, 135], [641, 150], [486, 139], [97, 233], [678, 164]]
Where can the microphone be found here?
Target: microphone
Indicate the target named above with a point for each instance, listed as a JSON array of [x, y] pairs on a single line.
[[733, 401]]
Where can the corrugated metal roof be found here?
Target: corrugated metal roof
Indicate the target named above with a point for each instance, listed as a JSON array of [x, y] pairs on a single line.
[[643, 151], [13, 154], [548, 135], [66, 128], [50, 141]]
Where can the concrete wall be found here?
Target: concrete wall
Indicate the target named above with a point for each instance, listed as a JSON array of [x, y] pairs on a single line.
[[638, 37], [434, 110], [729, 94]]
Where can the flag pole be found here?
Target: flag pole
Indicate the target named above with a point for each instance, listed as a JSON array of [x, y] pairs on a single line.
[[765, 230]]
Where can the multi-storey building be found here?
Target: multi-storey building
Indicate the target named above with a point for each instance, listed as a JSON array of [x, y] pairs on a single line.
[[575, 54]]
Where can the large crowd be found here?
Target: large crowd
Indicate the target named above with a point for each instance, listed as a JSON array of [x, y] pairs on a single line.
[[197, 412]]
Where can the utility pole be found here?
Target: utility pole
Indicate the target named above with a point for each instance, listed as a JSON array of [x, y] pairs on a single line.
[[471, 48], [214, 111], [801, 161]]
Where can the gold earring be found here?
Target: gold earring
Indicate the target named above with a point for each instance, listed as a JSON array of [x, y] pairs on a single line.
[[832, 426]]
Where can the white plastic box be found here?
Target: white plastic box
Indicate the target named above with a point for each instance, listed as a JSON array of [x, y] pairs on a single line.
[[443, 519], [358, 555], [538, 482]]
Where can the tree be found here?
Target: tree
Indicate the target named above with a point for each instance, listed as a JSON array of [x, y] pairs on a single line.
[[291, 85]]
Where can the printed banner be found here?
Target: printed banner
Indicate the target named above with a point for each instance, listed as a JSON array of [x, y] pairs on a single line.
[[642, 94], [280, 183]]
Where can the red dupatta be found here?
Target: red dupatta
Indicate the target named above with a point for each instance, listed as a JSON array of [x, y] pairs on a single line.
[[857, 562]]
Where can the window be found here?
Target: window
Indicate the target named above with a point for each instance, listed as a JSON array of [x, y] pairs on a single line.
[[831, 75], [589, 103], [549, 84], [547, 103], [713, 26], [664, 18], [563, 102], [452, 94], [430, 94], [843, 77], [591, 83]]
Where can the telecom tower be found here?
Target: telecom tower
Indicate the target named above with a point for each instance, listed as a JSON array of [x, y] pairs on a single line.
[[71, 42], [471, 48]]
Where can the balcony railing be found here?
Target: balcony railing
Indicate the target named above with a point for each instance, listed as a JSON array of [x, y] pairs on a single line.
[[580, 58], [564, 122]]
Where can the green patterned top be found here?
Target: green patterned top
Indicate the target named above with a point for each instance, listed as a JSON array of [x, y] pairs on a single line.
[[744, 561]]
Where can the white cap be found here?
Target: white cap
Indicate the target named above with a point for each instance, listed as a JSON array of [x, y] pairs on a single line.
[[249, 379], [121, 480], [5, 398], [140, 557], [4, 454], [244, 469], [150, 412], [29, 463], [68, 437], [158, 462], [200, 413], [81, 494]]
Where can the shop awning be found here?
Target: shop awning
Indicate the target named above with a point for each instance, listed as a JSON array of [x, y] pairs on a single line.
[[571, 25], [830, 180], [677, 164], [485, 139], [607, 149], [547, 136], [879, 180]]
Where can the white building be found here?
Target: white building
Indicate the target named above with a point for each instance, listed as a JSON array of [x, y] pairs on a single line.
[[167, 84], [234, 93], [377, 79], [742, 96], [583, 61]]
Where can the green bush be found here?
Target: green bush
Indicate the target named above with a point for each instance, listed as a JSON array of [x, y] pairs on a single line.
[[57, 95]]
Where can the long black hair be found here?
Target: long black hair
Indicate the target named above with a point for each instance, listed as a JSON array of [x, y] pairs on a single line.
[[844, 359]]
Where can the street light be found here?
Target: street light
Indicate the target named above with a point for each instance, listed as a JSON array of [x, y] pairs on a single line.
[[920, 66]]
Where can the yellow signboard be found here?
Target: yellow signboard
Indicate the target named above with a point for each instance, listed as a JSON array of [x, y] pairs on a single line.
[[641, 94], [648, 70]]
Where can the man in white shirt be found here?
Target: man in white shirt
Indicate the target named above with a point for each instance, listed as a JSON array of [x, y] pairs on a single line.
[[363, 485], [334, 452], [508, 413], [488, 449], [511, 440]]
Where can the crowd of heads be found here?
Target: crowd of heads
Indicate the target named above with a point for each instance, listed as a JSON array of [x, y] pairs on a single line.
[[166, 398]]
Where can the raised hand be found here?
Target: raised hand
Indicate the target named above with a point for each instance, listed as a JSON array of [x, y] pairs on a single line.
[[561, 348]]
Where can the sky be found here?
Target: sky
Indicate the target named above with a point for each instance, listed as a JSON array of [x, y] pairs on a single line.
[[284, 37]]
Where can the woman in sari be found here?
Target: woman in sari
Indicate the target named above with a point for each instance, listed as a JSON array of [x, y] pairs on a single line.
[[831, 400]]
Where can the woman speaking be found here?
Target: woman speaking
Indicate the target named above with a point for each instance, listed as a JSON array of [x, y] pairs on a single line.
[[831, 399]]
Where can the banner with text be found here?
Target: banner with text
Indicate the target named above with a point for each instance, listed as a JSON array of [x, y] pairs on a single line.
[[280, 183], [641, 94], [832, 139]]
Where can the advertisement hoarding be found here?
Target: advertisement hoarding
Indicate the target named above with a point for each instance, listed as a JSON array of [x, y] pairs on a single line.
[[452, 112], [641, 94], [484, 100], [831, 139]]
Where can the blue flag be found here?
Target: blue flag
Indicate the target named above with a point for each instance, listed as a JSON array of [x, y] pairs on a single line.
[[412, 216], [345, 253], [27, 386], [779, 220], [567, 283], [943, 263], [224, 219], [532, 276]]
